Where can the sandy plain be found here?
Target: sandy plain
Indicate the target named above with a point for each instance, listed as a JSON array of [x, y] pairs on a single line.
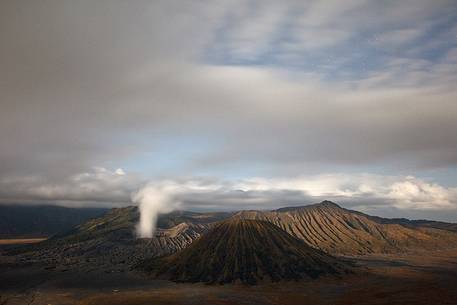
[[424, 278]]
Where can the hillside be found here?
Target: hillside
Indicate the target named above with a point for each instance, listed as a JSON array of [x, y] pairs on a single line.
[[420, 223], [110, 241], [245, 251], [329, 227], [17, 221]]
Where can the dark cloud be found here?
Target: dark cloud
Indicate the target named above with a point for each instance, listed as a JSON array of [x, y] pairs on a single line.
[[97, 84]]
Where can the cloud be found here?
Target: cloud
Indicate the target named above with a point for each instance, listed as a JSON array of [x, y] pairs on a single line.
[[99, 187], [225, 89], [111, 188], [400, 192], [397, 38], [133, 74], [313, 39], [417, 194], [251, 29]]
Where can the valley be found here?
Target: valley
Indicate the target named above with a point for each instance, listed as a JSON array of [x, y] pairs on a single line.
[[317, 254]]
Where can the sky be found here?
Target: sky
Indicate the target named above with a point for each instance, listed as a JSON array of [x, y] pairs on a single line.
[[242, 104]]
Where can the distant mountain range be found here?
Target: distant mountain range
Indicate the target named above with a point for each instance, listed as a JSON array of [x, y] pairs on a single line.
[[17, 221], [292, 236], [336, 230], [417, 223]]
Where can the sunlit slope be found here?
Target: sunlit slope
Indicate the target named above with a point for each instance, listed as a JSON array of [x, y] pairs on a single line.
[[328, 227], [245, 251]]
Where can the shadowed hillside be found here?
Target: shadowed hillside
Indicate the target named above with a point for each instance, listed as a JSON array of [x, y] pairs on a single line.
[[328, 227], [18, 221], [110, 241], [247, 251], [420, 223]]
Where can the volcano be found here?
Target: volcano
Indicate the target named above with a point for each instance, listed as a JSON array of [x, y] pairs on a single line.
[[246, 251], [338, 231], [109, 242]]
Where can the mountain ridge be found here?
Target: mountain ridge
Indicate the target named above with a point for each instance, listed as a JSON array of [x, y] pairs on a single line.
[[339, 231], [110, 241], [246, 251], [38, 221]]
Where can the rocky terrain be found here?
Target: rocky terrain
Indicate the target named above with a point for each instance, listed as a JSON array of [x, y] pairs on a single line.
[[247, 251], [110, 242], [385, 261], [408, 279], [339, 231]]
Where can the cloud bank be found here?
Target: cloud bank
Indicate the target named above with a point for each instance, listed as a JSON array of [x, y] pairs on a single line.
[[362, 192], [391, 196], [232, 90], [98, 187], [230, 78]]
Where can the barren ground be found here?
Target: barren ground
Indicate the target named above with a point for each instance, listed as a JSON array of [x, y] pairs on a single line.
[[426, 278], [17, 241]]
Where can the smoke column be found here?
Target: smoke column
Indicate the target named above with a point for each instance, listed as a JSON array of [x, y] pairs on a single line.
[[163, 197], [152, 200]]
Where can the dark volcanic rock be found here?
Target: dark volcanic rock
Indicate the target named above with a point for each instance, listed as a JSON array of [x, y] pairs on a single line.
[[247, 251], [109, 242]]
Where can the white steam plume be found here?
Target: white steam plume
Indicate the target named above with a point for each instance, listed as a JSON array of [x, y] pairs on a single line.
[[158, 198], [152, 200]]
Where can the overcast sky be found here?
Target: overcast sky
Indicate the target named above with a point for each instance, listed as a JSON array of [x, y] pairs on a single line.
[[260, 103]]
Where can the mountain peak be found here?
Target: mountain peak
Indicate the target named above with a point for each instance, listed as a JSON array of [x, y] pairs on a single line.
[[247, 251], [329, 203], [325, 203]]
